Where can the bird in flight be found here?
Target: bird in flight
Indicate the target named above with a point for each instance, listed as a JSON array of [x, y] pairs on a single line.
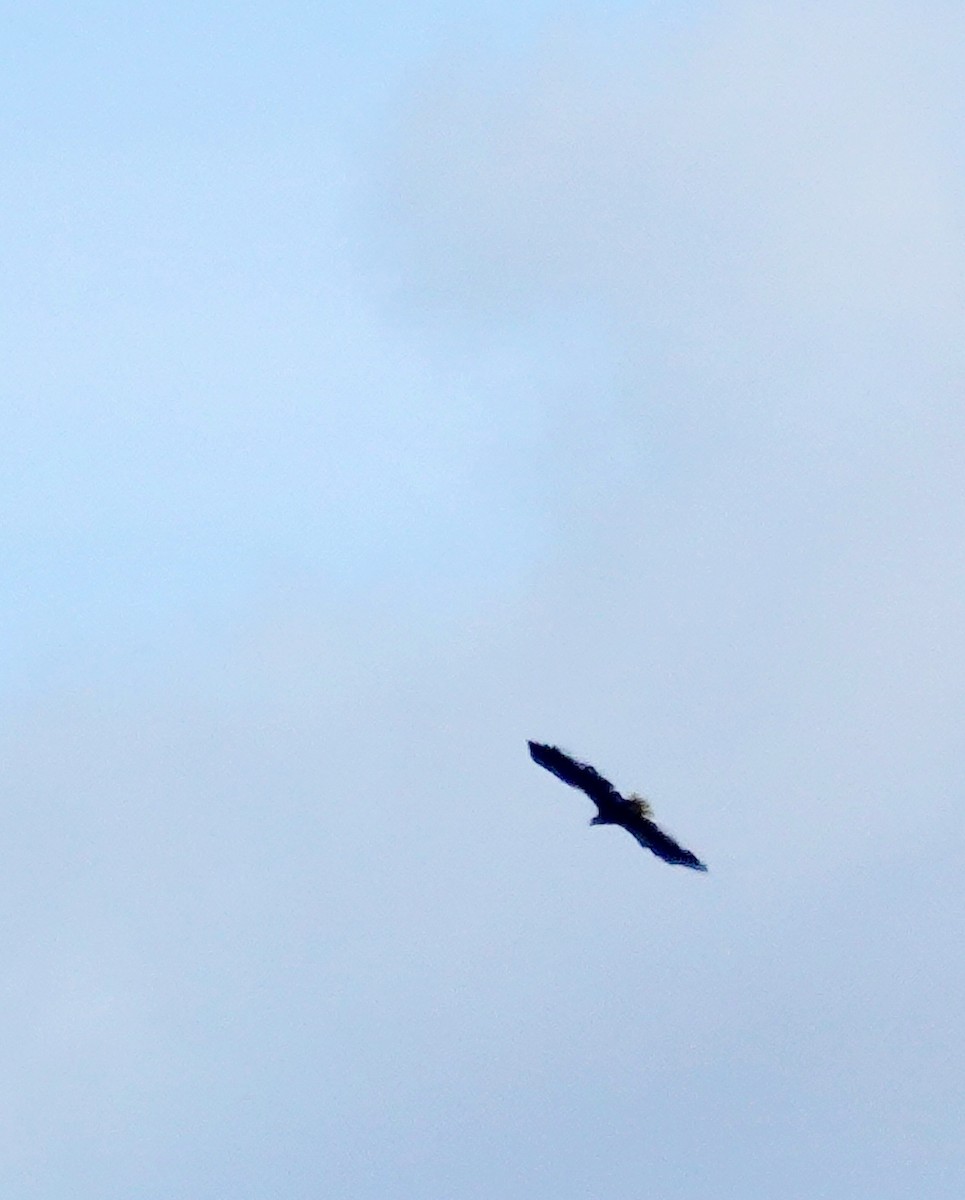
[[632, 812]]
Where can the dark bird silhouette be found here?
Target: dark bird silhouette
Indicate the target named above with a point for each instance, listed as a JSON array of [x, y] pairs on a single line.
[[632, 812]]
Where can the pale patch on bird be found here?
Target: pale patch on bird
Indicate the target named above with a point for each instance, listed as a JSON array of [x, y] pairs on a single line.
[[641, 804]]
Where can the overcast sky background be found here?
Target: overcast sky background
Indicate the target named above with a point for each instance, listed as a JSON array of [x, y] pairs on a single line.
[[382, 388]]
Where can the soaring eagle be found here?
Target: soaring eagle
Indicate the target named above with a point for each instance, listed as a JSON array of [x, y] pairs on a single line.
[[632, 812]]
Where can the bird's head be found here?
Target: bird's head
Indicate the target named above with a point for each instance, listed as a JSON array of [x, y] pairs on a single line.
[[599, 819]]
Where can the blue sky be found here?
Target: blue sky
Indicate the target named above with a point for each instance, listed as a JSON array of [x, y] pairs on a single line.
[[205, 394], [381, 391]]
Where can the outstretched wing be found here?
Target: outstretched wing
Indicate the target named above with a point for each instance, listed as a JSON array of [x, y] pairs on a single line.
[[662, 844], [576, 774]]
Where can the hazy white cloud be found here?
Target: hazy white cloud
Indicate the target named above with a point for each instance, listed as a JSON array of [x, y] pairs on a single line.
[[764, 214], [788, 165]]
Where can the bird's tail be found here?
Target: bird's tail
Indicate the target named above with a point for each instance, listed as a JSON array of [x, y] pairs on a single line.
[[643, 807]]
